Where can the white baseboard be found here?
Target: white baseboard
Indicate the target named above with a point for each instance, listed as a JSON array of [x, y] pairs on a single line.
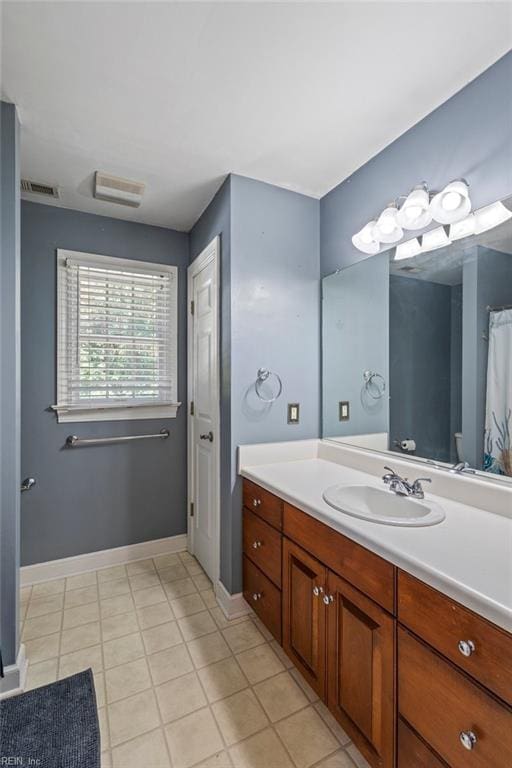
[[92, 561], [15, 676], [232, 606]]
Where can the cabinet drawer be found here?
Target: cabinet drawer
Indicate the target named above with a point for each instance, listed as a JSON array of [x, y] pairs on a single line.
[[362, 568], [441, 704], [413, 752], [262, 545], [265, 504], [444, 624], [263, 597]]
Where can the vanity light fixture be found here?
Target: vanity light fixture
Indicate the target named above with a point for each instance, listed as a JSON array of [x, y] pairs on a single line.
[[387, 229], [366, 239], [415, 211], [408, 249], [435, 238], [452, 204], [491, 216], [463, 228]]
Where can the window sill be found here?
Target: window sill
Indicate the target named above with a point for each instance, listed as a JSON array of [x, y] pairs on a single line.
[[65, 414]]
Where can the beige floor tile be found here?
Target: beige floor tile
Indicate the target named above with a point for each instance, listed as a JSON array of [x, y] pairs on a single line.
[[80, 637], [99, 687], [81, 596], [166, 561], [106, 760], [25, 593], [222, 679], [197, 625], [185, 746], [169, 664], [306, 737], [208, 649], [262, 628], [123, 649], [127, 679], [281, 655], [117, 626], [239, 716], [357, 757], [152, 615], [243, 636], [186, 557], [114, 588], [280, 696], [81, 580], [144, 580], [259, 663], [193, 568], [75, 662], [186, 606], [140, 566], [131, 717], [43, 648], [82, 614], [310, 693], [149, 596], [23, 612], [146, 751], [173, 573], [339, 759], [263, 750], [332, 723], [220, 619], [114, 606], [218, 760], [41, 626], [104, 729], [114, 572], [47, 588], [180, 697], [162, 636], [209, 598], [202, 582], [44, 606], [42, 673], [180, 588]]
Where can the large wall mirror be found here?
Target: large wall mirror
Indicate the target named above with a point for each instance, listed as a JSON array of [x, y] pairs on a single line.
[[417, 352]]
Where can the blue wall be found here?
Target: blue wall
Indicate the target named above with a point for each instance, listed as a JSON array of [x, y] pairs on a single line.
[[468, 136], [270, 317], [355, 336], [100, 497], [9, 385]]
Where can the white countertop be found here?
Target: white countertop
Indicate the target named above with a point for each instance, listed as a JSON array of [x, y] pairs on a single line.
[[468, 556]]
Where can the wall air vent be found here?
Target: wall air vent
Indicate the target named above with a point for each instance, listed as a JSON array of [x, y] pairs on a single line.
[[38, 188], [116, 190]]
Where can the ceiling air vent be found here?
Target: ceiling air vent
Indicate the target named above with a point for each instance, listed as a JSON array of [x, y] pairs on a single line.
[[117, 190], [38, 188]]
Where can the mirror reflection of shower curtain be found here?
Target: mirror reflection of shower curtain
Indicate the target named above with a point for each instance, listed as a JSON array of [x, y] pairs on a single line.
[[498, 410]]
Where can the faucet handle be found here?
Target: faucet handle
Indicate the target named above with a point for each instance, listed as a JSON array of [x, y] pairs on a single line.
[[422, 480]]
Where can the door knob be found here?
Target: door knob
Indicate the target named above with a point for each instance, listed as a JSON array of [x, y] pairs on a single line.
[[209, 437], [27, 484]]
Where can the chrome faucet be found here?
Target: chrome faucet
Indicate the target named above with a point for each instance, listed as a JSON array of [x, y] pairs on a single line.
[[402, 487], [462, 466]]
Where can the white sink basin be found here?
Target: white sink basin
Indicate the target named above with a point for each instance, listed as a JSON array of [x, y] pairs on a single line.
[[383, 506]]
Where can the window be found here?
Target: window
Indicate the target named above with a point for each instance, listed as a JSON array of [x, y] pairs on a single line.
[[116, 338]]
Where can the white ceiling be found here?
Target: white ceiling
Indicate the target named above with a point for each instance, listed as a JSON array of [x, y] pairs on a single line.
[[180, 94]]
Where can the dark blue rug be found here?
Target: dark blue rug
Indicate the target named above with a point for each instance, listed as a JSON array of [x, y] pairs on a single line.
[[55, 726]]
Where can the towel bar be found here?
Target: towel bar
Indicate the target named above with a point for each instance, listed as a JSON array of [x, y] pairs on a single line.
[[72, 441]]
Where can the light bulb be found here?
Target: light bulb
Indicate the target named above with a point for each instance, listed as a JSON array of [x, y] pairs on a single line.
[[415, 213], [452, 204], [451, 201]]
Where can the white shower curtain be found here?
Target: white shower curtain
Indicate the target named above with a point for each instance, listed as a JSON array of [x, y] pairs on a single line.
[[498, 411]]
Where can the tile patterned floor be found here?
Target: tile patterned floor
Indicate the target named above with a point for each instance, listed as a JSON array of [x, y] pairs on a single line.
[[177, 684]]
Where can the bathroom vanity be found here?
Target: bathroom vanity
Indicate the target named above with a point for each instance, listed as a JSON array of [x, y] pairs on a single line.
[[416, 678]]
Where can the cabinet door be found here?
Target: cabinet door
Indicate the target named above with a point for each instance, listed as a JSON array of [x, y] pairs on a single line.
[[360, 670], [304, 614]]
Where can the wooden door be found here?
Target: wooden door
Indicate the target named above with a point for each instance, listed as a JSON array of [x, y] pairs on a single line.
[[304, 581], [360, 670]]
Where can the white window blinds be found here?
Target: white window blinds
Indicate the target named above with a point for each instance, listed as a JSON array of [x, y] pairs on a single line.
[[117, 333]]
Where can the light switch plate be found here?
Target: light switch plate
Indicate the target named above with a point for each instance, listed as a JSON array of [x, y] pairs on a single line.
[[344, 410], [293, 413]]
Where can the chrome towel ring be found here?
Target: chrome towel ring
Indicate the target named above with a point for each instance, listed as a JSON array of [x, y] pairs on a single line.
[[263, 375], [370, 383]]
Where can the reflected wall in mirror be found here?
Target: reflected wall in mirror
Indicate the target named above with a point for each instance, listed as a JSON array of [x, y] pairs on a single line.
[[417, 353]]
